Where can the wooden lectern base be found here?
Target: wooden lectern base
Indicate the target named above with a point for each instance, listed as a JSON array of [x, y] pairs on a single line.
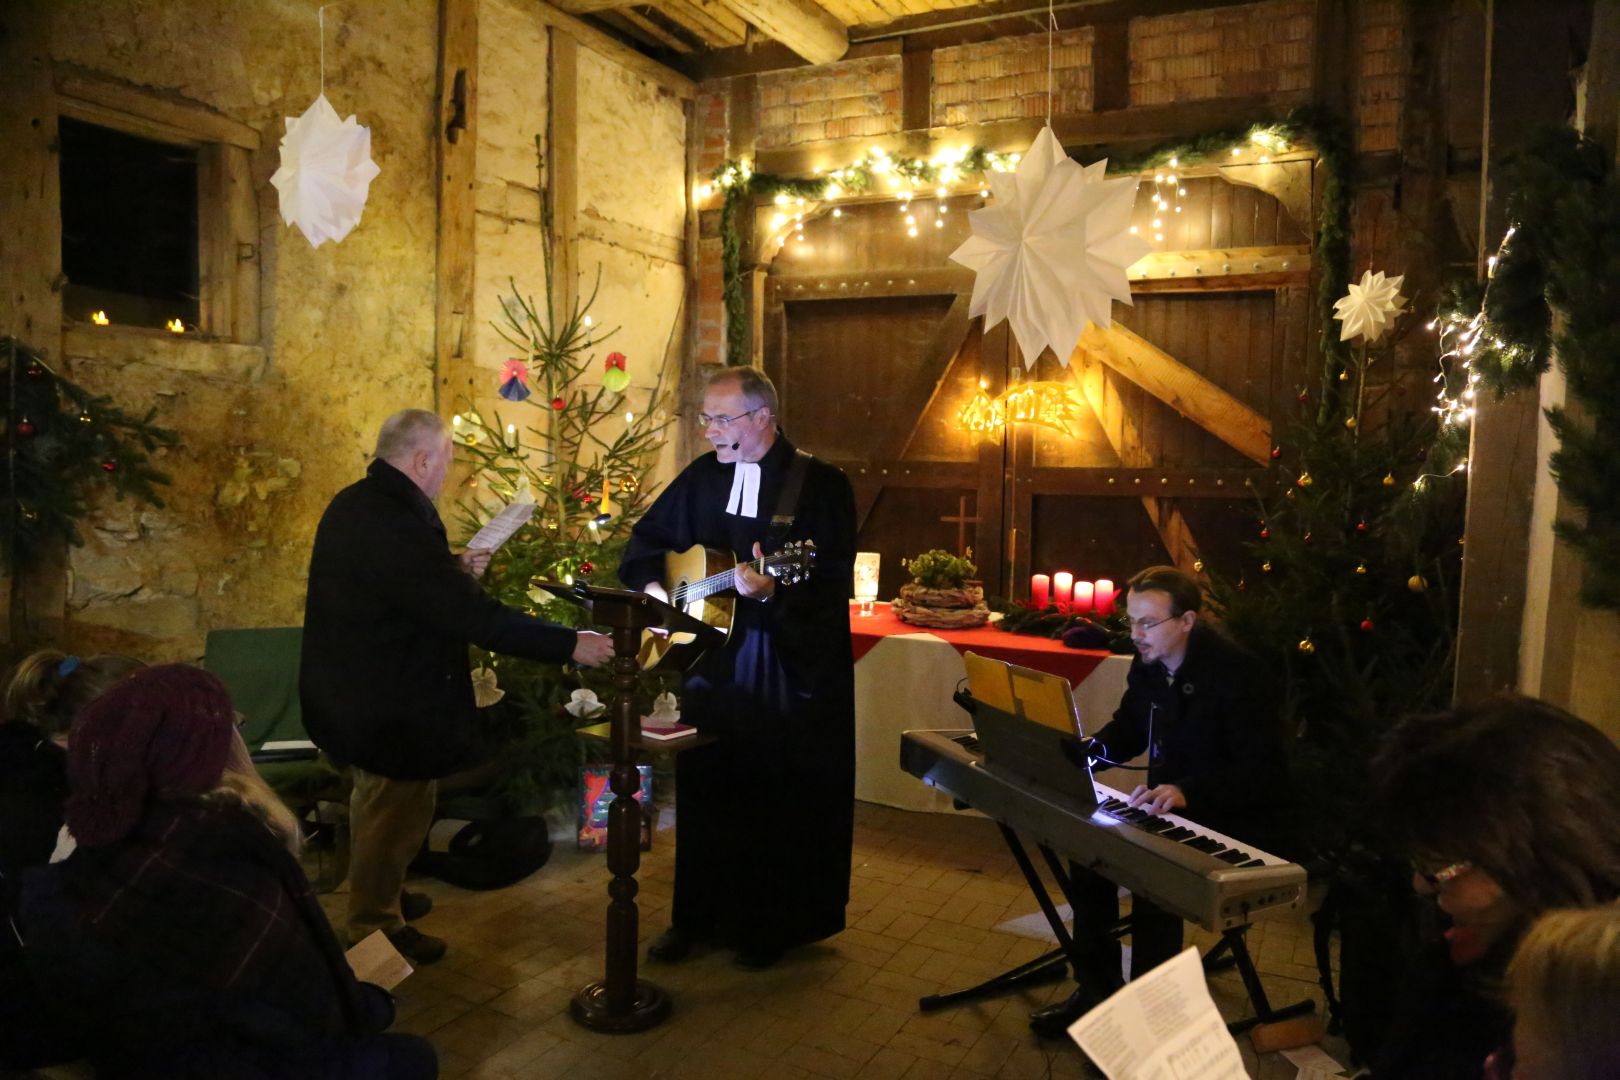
[[590, 1009]]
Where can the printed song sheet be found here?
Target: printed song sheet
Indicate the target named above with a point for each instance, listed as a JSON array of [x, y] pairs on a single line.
[[498, 529], [1163, 1026]]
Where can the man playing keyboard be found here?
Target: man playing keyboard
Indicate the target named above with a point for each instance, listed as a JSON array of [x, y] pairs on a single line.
[[1202, 709]]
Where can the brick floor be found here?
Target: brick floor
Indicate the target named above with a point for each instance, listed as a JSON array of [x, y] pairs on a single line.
[[931, 901]]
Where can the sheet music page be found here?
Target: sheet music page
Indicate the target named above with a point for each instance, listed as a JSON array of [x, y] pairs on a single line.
[[375, 960], [499, 529], [1163, 1026]]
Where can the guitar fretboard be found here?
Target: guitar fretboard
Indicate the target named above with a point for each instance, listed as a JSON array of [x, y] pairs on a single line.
[[693, 591]]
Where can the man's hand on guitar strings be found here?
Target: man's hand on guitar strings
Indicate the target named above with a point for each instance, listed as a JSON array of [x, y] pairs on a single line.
[[753, 584]]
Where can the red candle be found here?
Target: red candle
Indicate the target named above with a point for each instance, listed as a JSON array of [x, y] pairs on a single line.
[[1082, 597], [1040, 591], [1062, 589], [1105, 596]]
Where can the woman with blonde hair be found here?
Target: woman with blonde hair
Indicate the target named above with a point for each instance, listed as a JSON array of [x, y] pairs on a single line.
[[46, 691], [1564, 986], [182, 924]]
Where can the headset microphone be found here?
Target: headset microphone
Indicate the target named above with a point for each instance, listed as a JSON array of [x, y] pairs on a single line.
[[735, 445]]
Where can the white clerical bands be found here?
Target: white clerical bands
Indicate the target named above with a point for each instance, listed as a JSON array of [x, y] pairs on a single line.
[[745, 490]]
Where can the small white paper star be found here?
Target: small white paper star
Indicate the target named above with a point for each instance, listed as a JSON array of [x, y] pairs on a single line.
[[326, 173], [1050, 253], [1369, 308]]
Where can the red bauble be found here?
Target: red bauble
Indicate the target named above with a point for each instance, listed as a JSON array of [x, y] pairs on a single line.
[[1307, 538], [558, 403], [1361, 528], [1366, 626], [1265, 534], [1276, 453], [1304, 396], [25, 428], [586, 567], [110, 466]]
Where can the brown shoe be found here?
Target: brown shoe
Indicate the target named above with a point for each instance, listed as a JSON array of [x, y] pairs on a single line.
[[419, 948]]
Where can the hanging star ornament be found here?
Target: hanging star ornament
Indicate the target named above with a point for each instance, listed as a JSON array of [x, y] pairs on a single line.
[[1370, 307], [326, 173], [1050, 252]]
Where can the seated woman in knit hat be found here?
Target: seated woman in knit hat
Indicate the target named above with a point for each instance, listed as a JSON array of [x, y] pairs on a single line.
[[46, 691], [182, 930]]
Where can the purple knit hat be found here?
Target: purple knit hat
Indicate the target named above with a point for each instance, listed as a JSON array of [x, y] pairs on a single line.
[[162, 731]]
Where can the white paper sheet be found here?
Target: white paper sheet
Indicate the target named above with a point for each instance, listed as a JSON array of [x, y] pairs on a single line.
[[375, 960], [1163, 1026], [499, 529], [1313, 1063]]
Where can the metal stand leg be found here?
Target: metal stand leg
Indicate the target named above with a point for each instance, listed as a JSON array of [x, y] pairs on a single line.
[[1234, 941]]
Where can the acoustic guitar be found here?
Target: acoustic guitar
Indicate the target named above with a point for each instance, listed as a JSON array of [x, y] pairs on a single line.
[[702, 582]]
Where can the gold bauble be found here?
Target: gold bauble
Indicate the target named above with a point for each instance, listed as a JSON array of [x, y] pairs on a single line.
[[1198, 565], [1350, 422], [1304, 480], [1266, 566], [1307, 646], [1361, 568], [1416, 583], [1344, 376], [1389, 479]]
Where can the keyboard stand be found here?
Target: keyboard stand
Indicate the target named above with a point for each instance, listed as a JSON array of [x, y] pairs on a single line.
[[1058, 962]]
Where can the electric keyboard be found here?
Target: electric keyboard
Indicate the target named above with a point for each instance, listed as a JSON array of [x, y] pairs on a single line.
[[1190, 869]]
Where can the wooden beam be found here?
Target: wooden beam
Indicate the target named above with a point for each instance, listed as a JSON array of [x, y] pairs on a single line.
[[455, 133], [1270, 266], [1181, 388], [100, 100], [562, 173], [1111, 66], [587, 7], [708, 19], [650, 31], [864, 284], [806, 28], [623, 55], [1289, 182], [1143, 482]]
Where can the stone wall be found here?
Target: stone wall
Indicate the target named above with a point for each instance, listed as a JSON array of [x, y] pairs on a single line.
[[270, 431]]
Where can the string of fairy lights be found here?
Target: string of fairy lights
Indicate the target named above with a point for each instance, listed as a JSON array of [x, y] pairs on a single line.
[[950, 173]]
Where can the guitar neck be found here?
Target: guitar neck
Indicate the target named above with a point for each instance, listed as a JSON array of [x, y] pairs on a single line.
[[725, 579]]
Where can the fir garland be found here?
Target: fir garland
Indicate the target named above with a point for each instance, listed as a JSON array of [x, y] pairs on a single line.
[[1309, 126]]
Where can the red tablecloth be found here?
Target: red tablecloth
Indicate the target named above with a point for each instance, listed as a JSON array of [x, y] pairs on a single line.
[[1040, 653]]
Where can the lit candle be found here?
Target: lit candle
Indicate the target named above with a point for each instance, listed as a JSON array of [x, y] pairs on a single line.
[[1105, 596], [1082, 597], [1062, 589], [1040, 591]]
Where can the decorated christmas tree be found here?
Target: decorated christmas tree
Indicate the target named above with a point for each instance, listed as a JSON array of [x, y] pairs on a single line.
[[1349, 587], [63, 444], [579, 441]]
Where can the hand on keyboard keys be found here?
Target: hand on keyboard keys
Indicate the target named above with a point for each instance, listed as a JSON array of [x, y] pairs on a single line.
[[1158, 800]]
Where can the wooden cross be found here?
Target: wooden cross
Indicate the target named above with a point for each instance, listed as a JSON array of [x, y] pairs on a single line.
[[962, 521]]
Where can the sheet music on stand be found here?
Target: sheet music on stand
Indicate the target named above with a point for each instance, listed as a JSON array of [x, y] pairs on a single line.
[[1163, 1026], [499, 529]]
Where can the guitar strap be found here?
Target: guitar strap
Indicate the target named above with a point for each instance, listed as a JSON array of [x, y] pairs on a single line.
[[787, 501]]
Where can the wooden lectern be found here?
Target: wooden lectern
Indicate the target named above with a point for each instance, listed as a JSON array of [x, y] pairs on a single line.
[[620, 1002]]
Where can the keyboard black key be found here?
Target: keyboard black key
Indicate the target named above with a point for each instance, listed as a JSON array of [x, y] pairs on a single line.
[[1252, 862], [1155, 824], [1233, 856], [1204, 843], [969, 741], [1180, 832]]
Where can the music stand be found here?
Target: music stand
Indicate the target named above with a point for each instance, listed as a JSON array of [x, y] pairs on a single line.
[[620, 1002]]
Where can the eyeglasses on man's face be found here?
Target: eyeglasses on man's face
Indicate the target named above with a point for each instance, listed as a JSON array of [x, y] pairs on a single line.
[[1144, 625], [723, 422]]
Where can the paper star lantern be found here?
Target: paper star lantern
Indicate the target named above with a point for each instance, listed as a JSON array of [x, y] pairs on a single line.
[[1050, 253], [1369, 308], [326, 172]]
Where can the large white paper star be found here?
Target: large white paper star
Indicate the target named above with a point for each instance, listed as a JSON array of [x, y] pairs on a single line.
[[326, 173], [1050, 252], [1369, 307]]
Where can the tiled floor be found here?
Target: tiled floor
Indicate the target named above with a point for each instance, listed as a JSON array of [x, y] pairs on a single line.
[[931, 902]]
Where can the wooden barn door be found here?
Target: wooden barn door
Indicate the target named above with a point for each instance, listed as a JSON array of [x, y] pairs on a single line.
[[867, 337]]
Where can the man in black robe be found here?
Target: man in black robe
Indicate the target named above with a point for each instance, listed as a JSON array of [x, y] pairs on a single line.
[[766, 814]]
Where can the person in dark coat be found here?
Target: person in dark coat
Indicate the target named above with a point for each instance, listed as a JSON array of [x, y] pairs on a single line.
[[182, 936], [765, 816], [385, 681], [1203, 710]]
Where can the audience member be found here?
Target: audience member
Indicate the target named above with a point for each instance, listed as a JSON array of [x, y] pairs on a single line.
[[182, 929], [1509, 808], [1564, 986], [46, 691]]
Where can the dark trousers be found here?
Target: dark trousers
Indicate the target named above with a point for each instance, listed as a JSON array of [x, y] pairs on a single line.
[[1155, 933]]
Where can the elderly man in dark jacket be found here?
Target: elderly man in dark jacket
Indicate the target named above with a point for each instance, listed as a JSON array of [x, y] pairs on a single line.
[[1203, 710], [385, 682]]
